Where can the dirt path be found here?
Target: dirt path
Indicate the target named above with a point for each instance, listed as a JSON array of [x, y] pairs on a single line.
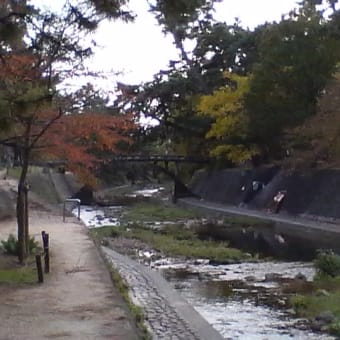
[[77, 299]]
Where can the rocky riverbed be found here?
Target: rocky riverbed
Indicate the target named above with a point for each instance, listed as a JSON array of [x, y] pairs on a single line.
[[241, 300]]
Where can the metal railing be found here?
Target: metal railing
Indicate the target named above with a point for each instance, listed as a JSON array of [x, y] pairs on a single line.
[[74, 201]]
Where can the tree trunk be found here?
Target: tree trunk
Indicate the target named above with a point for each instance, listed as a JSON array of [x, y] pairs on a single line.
[[21, 224], [26, 229], [22, 209]]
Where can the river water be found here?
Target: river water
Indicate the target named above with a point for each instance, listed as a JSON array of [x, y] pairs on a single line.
[[232, 298], [236, 307]]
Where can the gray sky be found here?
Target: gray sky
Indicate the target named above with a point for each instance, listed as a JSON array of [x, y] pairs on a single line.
[[140, 49]]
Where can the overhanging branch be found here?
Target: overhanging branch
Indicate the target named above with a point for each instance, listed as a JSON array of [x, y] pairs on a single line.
[[45, 128]]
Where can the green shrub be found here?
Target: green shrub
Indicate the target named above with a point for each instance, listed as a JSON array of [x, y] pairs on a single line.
[[327, 263], [299, 303], [10, 246], [334, 328]]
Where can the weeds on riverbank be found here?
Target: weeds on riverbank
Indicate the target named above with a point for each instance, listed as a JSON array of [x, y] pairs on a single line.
[[323, 295], [175, 240], [163, 227], [136, 311], [158, 212]]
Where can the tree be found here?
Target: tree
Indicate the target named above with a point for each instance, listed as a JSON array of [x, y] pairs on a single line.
[[172, 97], [316, 142], [85, 141], [45, 49], [22, 97], [228, 132], [296, 58], [29, 72]]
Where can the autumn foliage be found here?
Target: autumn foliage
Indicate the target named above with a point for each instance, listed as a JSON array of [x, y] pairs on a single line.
[[82, 140], [38, 121], [85, 140], [229, 123]]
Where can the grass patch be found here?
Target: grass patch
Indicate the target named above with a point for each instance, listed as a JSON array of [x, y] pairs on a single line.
[[11, 272], [14, 172], [14, 274], [246, 221], [98, 234], [24, 275], [175, 240], [324, 296], [158, 212]]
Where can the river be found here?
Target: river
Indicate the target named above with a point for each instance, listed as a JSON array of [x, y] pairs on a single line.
[[236, 299]]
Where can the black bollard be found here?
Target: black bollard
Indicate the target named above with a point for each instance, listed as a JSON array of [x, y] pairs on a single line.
[[45, 238], [39, 268]]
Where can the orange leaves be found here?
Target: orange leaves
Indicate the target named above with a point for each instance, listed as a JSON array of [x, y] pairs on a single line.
[[19, 67], [82, 139]]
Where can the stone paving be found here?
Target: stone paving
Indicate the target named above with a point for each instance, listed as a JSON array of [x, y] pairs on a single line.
[[168, 315]]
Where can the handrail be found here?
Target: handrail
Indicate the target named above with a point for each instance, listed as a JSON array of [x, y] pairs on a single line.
[[71, 200]]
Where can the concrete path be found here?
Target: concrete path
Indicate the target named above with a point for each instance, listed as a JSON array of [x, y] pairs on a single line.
[[77, 299], [298, 221]]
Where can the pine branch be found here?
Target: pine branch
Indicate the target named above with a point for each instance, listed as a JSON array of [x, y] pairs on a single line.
[[45, 128]]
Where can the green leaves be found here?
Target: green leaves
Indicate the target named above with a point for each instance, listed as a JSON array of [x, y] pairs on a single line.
[[296, 58]]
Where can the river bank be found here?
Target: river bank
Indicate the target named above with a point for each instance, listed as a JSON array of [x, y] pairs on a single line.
[[263, 289], [195, 274]]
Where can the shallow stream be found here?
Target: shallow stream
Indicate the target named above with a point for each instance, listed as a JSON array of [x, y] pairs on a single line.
[[241, 300], [238, 299]]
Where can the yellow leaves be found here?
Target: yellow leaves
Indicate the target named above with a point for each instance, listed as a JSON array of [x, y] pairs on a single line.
[[225, 107], [225, 100], [225, 126], [236, 153]]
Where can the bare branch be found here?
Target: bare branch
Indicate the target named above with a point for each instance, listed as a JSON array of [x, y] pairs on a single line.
[[45, 128]]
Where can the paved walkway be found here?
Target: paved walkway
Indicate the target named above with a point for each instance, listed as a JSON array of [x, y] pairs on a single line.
[[77, 299], [331, 226]]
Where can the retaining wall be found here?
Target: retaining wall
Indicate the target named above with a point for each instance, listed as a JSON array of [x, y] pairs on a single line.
[[313, 193]]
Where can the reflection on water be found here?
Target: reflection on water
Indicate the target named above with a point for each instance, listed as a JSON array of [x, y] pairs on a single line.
[[233, 306], [238, 318]]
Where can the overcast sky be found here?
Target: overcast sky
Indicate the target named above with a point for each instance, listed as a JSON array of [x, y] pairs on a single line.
[[140, 49]]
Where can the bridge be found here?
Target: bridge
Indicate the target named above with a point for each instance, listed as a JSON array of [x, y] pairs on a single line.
[[160, 158], [134, 158], [180, 188]]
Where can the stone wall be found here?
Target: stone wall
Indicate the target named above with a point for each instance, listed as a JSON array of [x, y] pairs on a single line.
[[313, 193]]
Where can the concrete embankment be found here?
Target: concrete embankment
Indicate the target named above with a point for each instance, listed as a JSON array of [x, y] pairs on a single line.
[[283, 229], [312, 193], [309, 214], [169, 316]]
